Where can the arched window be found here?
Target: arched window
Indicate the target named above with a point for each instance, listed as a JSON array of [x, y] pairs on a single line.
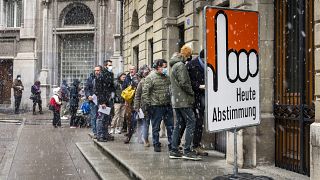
[[135, 21], [78, 15], [149, 12]]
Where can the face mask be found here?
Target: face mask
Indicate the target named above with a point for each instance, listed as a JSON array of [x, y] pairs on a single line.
[[110, 68], [164, 71]]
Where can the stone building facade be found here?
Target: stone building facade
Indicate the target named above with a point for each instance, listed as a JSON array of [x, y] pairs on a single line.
[[156, 29], [55, 40]]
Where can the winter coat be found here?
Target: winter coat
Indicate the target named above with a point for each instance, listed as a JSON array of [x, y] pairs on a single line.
[[196, 74], [36, 93], [118, 90], [57, 101], [181, 89], [65, 93], [156, 89], [74, 94], [134, 80], [88, 88], [17, 88], [138, 101], [104, 86]]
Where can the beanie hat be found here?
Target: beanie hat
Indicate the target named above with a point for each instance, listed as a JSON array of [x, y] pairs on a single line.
[[186, 51]]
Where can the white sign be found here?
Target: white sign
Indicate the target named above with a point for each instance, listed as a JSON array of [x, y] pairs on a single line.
[[232, 71]]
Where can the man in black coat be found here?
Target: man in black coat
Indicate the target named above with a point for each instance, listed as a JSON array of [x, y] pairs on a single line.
[[74, 102], [196, 68], [103, 88]]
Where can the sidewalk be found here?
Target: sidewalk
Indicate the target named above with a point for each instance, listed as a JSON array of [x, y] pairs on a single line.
[[143, 163]]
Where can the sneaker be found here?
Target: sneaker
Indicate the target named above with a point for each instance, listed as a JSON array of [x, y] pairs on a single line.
[[73, 127], [112, 131], [191, 156], [117, 131], [146, 143], [40, 112], [127, 141], [110, 138], [175, 155], [200, 151], [102, 140], [157, 148]]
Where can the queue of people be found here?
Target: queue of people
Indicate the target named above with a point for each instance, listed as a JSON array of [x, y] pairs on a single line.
[[135, 100]]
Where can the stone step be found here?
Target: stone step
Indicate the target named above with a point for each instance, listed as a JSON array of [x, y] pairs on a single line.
[[143, 163], [101, 164]]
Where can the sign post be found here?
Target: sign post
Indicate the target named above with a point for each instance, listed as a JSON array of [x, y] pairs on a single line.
[[232, 70]]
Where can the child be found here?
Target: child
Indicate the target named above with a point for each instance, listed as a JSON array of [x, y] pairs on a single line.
[[55, 103]]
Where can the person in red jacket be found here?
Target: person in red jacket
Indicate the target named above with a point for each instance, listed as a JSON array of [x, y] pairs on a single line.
[[56, 102]]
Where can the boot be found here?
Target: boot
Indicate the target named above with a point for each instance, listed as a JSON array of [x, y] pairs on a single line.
[[34, 110]]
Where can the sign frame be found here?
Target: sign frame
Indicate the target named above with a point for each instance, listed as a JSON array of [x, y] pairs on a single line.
[[206, 123]]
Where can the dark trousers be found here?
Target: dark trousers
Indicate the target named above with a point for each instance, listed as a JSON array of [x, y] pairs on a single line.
[[56, 118], [17, 102], [73, 112], [186, 117], [35, 102], [157, 114], [199, 113]]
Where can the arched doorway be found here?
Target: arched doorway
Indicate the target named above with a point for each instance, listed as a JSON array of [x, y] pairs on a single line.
[[76, 47]]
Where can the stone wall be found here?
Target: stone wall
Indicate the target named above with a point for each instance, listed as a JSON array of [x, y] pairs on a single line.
[[315, 127]]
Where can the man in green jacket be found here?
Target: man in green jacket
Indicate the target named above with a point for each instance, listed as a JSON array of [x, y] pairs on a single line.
[[182, 102], [156, 95]]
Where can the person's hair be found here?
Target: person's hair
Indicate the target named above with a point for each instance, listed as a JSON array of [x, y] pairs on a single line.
[[159, 63], [201, 54], [37, 83], [132, 67], [121, 74], [99, 66], [106, 62]]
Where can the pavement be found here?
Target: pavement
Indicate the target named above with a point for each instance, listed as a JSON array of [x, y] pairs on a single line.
[[30, 148], [33, 149]]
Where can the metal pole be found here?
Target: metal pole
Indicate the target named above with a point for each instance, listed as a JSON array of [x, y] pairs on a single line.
[[235, 156]]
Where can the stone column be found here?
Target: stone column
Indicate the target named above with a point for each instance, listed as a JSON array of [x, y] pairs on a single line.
[[315, 127], [25, 61], [116, 57], [1, 14], [46, 53]]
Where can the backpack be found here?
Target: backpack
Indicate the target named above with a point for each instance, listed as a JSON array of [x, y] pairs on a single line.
[[52, 104], [85, 107]]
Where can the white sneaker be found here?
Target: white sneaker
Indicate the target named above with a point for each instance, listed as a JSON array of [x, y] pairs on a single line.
[[117, 131], [64, 118], [112, 131]]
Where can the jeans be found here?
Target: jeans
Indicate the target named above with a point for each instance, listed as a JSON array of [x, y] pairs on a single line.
[[199, 114], [184, 116], [145, 128], [158, 113], [101, 125], [93, 117]]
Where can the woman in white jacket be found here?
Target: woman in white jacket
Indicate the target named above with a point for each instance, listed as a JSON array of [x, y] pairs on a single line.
[[56, 103]]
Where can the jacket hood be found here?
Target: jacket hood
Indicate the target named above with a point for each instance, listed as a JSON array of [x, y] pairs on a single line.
[[56, 90], [177, 57]]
